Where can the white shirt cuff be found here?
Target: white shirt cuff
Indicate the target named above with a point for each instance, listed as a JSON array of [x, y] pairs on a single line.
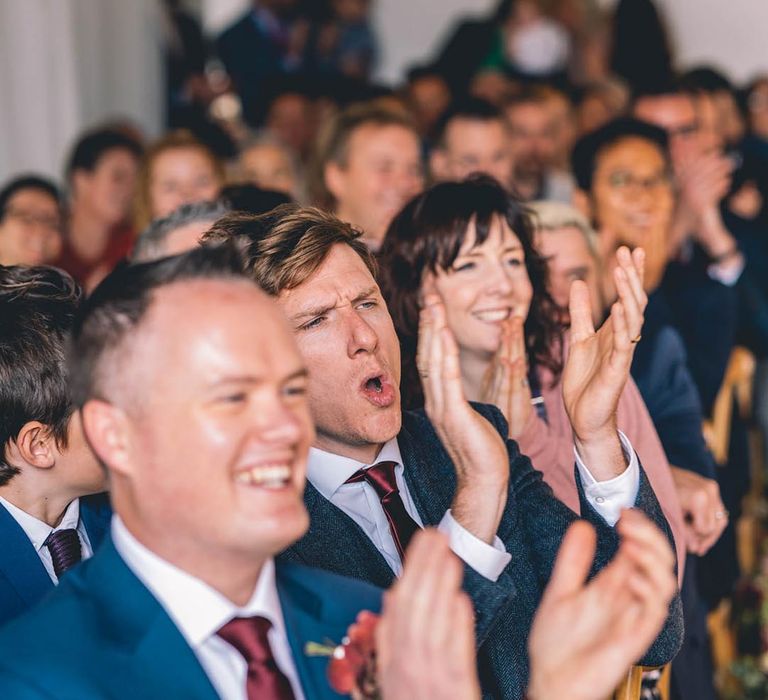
[[608, 498], [489, 561], [726, 274]]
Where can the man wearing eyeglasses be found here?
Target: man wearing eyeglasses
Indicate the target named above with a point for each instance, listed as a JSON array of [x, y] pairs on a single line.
[[30, 222]]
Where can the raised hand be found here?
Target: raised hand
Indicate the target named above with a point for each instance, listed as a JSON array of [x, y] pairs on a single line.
[[585, 636], [425, 637], [477, 451], [506, 381], [705, 514], [598, 365]]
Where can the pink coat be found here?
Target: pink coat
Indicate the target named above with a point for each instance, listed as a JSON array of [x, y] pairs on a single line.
[[550, 448]]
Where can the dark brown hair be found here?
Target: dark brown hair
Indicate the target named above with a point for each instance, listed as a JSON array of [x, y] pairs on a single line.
[[427, 234]]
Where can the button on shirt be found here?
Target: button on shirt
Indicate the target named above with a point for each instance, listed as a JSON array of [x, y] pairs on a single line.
[[327, 472], [199, 612], [38, 532]]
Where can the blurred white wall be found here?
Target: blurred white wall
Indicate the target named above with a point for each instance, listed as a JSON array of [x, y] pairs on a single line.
[[68, 64]]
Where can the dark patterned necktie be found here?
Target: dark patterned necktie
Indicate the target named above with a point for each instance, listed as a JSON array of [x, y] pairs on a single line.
[[381, 477], [64, 546], [265, 681]]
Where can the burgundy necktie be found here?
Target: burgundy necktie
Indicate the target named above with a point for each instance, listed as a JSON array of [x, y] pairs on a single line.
[[265, 681], [64, 546], [381, 477]]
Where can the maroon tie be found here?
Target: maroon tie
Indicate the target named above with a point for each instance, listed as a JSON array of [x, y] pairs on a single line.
[[265, 681], [381, 477], [64, 546]]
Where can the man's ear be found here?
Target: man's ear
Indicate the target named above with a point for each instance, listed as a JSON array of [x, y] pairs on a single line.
[[335, 180], [106, 429], [34, 445], [79, 181]]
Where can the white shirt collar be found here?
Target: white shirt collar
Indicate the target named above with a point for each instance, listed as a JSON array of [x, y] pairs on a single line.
[[198, 610], [37, 530], [327, 471]]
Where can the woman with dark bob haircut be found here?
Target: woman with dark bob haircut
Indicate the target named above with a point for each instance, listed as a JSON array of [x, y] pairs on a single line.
[[438, 239], [471, 243]]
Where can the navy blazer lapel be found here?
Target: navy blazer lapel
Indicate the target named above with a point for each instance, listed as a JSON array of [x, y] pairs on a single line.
[[157, 652], [430, 475], [20, 562], [95, 512], [337, 543], [306, 620]]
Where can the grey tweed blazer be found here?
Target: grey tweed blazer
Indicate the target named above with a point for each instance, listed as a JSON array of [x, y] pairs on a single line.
[[532, 527]]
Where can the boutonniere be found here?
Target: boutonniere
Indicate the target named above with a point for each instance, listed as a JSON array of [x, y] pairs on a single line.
[[352, 665]]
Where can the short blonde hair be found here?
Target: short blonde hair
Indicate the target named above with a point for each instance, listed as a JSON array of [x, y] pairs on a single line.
[[180, 139], [553, 216]]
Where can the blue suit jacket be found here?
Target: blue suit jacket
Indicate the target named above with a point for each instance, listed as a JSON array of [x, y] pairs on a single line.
[[23, 578], [532, 527], [102, 634]]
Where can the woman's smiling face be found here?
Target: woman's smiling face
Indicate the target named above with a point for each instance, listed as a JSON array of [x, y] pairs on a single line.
[[486, 285]]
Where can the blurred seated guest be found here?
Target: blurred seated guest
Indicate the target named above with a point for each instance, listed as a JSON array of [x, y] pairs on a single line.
[[252, 199], [493, 286], [428, 96], [703, 278], [601, 102], [177, 169], [31, 213], [345, 43], [265, 43], [101, 175], [178, 232], [562, 116], [494, 86], [711, 83], [49, 520], [192, 411], [756, 102], [378, 473], [290, 117], [624, 169], [473, 137], [367, 166], [519, 37], [534, 138], [269, 164]]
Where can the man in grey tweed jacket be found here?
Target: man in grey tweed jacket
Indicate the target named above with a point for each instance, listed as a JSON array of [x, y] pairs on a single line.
[[451, 466]]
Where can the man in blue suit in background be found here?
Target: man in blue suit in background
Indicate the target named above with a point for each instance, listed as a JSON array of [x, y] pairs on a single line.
[[201, 419], [48, 519]]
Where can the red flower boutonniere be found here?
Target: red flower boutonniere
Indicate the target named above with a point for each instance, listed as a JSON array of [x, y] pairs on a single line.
[[352, 665]]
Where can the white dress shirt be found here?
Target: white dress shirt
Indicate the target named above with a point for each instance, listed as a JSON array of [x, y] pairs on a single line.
[[38, 532], [327, 472], [199, 612]]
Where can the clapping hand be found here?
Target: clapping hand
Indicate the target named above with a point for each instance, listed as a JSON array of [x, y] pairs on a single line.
[[506, 381], [478, 452], [425, 638], [586, 635], [598, 365]]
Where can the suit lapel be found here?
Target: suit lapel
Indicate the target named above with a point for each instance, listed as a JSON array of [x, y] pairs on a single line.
[[430, 484], [158, 654], [307, 620], [20, 562], [95, 513], [337, 543]]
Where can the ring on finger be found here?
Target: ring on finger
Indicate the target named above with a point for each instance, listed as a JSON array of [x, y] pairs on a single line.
[[720, 514], [638, 339]]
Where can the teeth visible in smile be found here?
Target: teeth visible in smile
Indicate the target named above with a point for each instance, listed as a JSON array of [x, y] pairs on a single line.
[[267, 476], [494, 316]]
